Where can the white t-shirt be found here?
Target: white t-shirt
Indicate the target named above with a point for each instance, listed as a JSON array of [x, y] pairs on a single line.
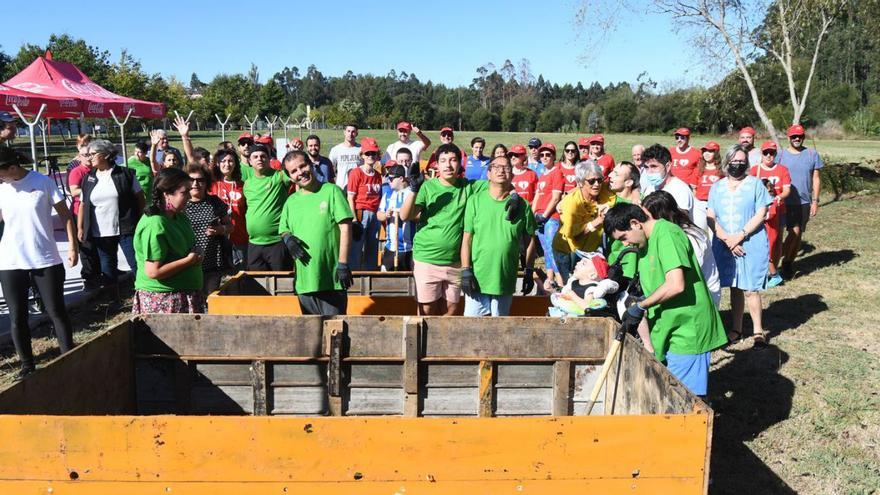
[[683, 195], [344, 158], [415, 147], [105, 204], [702, 245], [28, 238]]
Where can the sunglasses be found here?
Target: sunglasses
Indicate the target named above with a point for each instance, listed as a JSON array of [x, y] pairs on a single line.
[[546, 154], [593, 181], [373, 154], [680, 137], [798, 136], [769, 153], [571, 150], [198, 180]]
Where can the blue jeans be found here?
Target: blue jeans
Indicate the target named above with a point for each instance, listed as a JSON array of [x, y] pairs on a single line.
[[565, 264], [546, 239], [487, 305], [108, 247], [364, 254]]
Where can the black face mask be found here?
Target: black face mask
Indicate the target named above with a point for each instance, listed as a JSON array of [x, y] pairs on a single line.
[[737, 169]]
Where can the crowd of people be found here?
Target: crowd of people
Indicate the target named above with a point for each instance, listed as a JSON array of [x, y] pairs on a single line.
[[466, 225]]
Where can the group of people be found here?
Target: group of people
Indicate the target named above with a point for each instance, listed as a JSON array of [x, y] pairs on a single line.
[[464, 224]]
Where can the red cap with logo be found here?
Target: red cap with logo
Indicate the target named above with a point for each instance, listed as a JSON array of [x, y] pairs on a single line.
[[769, 145], [583, 142], [404, 125], [517, 149], [245, 136], [711, 146], [369, 144], [750, 131], [549, 147], [684, 131], [597, 138], [796, 130], [447, 129], [265, 139]]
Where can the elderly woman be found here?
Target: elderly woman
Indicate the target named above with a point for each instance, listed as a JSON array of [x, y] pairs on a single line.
[[209, 217], [30, 252], [583, 212], [90, 267], [169, 275], [112, 204], [737, 206]]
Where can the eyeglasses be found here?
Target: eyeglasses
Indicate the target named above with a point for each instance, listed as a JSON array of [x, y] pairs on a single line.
[[593, 181], [198, 180], [501, 168], [547, 155], [571, 150], [680, 137], [88, 155]]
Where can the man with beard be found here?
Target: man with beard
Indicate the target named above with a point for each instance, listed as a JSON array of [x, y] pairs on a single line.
[[315, 227], [346, 156], [322, 165]]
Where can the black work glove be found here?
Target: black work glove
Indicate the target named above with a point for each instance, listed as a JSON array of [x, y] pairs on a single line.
[[513, 206], [415, 182], [528, 283], [357, 231], [343, 273], [295, 248], [633, 315], [469, 282]]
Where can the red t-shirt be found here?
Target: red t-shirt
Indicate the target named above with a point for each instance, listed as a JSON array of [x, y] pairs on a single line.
[[568, 182], [684, 163], [705, 181], [549, 182], [525, 183], [231, 195], [606, 161], [366, 188], [779, 176], [75, 178]]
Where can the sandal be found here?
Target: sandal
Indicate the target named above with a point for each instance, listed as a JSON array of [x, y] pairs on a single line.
[[760, 340]]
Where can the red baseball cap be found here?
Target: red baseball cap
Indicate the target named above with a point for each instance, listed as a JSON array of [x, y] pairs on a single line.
[[684, 131], [597, 138], [599, 262], [369, 144], [548, 146], [769, 145], [404, 125], [517, 149], [245, 136], [584, 141], [796, 130], [265, 139], [711, 146], [447, 129], [748, 130]]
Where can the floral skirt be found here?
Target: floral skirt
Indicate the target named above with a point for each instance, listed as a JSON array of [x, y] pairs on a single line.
[[168, 302]]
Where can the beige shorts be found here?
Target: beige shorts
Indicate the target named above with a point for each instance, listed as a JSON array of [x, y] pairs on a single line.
[[434, 282]]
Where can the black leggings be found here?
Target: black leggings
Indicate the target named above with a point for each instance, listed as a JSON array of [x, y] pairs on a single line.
[[50, 283]]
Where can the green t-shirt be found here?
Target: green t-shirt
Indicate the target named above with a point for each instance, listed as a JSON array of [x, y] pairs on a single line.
[[246, 171], [144, 175], [631, 261], [495, 246], [160, 238], [265, 199], [438, 238], [314, 219], [689, 323]]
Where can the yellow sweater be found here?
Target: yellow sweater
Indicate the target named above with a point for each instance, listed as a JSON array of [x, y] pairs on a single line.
[[576, 211]]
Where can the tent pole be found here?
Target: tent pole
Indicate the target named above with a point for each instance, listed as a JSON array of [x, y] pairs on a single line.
[[122, 132], [222, 126], [31, 129], [43, 125]]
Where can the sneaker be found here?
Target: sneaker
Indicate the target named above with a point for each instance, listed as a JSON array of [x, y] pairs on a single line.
[[774, 280], [24, 372]]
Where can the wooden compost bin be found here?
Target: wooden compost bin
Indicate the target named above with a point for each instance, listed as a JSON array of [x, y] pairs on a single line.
[[187, 404], [373, 293]]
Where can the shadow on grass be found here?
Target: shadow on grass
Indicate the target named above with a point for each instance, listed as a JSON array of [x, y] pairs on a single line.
[[749, 396], [810, 264]]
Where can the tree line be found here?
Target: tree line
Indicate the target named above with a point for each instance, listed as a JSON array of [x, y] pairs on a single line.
[[845, 90]]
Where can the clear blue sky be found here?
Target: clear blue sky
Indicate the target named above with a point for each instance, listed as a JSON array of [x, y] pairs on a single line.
[[182, 37]]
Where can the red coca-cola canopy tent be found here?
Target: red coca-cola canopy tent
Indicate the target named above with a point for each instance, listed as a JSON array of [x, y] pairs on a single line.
[[56, 79], [30, 103]]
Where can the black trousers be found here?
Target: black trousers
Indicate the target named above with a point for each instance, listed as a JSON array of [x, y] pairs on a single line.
[[268, 258], [326, 303], [50, 283]]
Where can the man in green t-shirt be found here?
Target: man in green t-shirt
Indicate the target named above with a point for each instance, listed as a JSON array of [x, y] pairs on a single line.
[[315, 227], [495, 221], [265, 193], [685, 325], [624, 182], [438, 205], [140, 163]]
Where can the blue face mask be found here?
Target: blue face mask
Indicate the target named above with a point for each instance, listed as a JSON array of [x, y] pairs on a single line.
[[654, 180]]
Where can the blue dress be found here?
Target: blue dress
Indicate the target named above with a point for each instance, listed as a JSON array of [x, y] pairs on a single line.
[[733, 209]]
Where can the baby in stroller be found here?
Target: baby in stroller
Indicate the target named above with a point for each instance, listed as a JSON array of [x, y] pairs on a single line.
[[586, 289]]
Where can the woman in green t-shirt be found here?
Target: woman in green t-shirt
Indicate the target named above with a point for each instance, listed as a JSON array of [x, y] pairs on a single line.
[[169, 275]]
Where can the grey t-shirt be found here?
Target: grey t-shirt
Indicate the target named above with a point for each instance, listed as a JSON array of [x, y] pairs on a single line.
[[344, 158], [800, 166]]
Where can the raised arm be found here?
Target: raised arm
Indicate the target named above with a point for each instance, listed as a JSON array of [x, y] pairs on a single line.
[[182, 127]]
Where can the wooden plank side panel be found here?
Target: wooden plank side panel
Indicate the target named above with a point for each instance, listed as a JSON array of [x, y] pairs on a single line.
[[60, 387], [312, 450]]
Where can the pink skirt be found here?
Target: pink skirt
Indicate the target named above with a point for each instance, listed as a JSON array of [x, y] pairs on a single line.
[[168, 302]]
